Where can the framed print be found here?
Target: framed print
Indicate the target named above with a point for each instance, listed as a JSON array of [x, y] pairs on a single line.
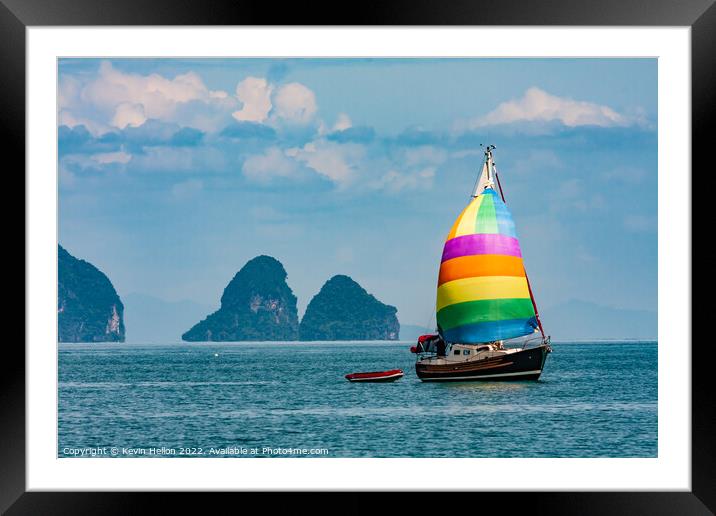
[[445, 250]]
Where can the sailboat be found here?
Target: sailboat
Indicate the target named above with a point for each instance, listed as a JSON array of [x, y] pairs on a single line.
[[488, 326]]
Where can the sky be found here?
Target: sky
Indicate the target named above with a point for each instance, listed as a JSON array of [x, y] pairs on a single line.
[[175, 172]]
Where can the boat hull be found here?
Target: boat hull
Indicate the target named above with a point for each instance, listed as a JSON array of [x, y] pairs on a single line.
[[378, 376], [522, 365]]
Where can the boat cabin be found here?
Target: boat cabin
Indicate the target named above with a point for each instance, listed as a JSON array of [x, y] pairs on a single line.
[[470, 352]]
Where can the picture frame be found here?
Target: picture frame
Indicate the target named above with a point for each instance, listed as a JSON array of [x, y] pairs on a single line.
[[16, 16]]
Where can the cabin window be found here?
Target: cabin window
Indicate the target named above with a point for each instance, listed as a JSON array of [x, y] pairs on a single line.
[[465, 351], [457, 351]]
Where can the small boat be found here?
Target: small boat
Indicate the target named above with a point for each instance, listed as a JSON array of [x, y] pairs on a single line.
[[484, 298], [376, 376]]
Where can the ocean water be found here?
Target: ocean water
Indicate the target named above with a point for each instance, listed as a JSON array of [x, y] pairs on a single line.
[[291, 400]]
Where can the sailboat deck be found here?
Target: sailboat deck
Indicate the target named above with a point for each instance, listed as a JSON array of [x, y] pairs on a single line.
[[464, 353]]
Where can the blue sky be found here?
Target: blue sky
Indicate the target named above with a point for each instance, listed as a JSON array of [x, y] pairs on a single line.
[[174, 172]]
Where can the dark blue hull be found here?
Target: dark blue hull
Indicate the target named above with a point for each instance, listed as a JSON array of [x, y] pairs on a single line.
[[523, 365]]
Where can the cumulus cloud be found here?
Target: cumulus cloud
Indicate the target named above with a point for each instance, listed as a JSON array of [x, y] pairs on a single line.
[[271, 164], [68, 119], [68, 91], [255, 94], [334, 161], [295, 102], [537, 105], [156, 93], [343, 122], [113, 99], [128, 114], [121, 99], [151, 123]]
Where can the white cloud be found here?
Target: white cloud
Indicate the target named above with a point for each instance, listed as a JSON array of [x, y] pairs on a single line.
[[115, 99], [158, 95], [68, 91], [295, 102], [343, 122], [128, 114], [255, 94], [264, 167], [94, 127], [539, 106], [122, 99], [331, 160]]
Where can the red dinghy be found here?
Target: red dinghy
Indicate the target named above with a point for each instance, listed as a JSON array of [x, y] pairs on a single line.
[[377, 376]]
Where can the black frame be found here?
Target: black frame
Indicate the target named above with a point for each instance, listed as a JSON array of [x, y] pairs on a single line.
[[700, 15]]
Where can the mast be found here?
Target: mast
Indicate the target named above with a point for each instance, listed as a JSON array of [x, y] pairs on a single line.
[[486, 177]]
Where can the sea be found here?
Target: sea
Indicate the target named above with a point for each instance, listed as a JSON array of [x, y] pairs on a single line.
[[270, 399]]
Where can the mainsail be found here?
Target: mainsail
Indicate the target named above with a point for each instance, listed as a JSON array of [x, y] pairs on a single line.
[[483, 294]]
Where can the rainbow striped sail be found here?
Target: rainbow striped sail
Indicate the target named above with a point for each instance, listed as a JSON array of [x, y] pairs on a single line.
[[483, 293]]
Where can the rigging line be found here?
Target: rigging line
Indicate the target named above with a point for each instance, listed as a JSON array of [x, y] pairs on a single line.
[[499, 185], [534, 305], [477, 182], [529, 287], [431, 317]]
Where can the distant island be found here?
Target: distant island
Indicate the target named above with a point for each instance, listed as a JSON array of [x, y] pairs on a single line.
[[88, 307], [343, 310], [257, 304]]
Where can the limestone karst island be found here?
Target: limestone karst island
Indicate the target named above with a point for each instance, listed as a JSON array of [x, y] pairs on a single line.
[[88, 307], [256, 305]]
